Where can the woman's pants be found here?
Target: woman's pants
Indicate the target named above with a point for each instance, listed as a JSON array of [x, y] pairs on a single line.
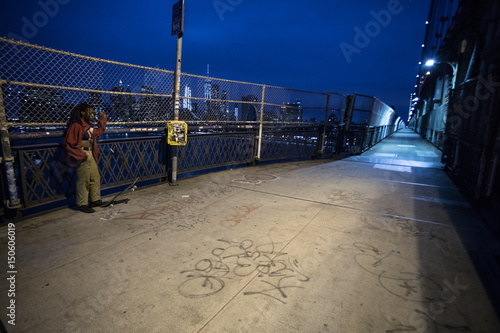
[[88, 182]]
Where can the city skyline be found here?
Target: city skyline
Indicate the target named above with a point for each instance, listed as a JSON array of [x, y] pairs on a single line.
[[44, 104]]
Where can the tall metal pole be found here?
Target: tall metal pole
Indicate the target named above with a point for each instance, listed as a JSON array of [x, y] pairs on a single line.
[[177, 83], [261, 118], [322, 139], [176, 89], [177, 77], [8, 159]]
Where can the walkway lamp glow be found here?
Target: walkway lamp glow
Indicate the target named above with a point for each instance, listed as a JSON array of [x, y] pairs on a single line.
[[432, 62]]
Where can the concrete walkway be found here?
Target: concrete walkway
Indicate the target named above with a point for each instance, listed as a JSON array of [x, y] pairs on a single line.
[[381, 242]]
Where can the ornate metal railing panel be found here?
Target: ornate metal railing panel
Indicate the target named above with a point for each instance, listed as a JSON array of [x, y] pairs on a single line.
[[122, 161], [206, 151], [45, 177], [283, 144]]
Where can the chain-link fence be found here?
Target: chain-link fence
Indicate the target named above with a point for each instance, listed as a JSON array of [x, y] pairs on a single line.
[[41, 86]]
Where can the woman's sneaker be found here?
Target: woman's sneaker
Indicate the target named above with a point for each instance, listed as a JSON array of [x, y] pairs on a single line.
[[87, 209], [97, 203]]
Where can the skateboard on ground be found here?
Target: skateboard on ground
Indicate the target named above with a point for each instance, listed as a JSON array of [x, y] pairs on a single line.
[[131, 187]]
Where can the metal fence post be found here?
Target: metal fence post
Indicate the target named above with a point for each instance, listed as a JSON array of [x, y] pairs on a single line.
[[321, 141], [174, 150], [259, 138], [363, 138], [177, 29], [8, 159], [346, 122]]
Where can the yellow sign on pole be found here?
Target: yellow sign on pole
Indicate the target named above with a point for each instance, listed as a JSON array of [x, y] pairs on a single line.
[[177, 133]]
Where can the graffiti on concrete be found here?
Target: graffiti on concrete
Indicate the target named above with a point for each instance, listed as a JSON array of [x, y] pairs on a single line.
[[174, 207], [396, 274], [241, 212], [403, 279], [255, 179], [276, 271]]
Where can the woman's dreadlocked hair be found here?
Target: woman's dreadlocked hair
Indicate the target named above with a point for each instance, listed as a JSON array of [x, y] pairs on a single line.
[[77, 113]]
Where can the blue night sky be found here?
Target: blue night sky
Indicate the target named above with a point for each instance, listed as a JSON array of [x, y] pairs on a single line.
[[370, 47]]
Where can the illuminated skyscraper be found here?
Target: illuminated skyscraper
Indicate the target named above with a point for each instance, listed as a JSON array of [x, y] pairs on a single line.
[[208, 85], [186, 102], [95, 99], [207, 89], [122, 104], [291, 112], [40, 104]]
